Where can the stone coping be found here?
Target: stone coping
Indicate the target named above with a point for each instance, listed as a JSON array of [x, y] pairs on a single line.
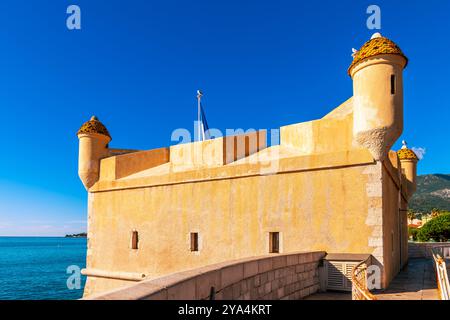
[[224, 275], [347, 257]]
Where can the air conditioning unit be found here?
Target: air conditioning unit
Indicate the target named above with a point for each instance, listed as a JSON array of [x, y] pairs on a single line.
[[338, 270]]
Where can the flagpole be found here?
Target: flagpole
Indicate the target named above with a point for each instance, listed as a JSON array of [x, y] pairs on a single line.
[[199, 97]]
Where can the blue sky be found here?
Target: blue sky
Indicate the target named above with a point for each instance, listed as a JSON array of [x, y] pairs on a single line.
[[137, 66]]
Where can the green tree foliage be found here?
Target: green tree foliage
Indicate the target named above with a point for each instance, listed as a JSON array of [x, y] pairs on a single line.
[[437, 229], [412, 232]]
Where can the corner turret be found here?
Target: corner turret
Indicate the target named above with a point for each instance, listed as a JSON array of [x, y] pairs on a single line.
[[93, 146], [376, 71], [408, 160]]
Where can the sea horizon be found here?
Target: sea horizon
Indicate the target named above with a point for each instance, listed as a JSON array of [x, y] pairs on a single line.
[[39, 267]]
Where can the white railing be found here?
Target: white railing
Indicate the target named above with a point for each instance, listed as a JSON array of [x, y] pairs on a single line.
[[359, 282], [440, 254]]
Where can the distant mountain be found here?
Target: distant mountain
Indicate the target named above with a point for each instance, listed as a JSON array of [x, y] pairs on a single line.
[[77, 235], [433, 191]]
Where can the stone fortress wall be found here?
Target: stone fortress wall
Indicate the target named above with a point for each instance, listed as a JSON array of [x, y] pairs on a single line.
[[332, 184], [286, 276]]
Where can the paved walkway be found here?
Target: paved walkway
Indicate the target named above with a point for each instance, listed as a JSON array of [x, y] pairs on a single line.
[[417, 281], [329, 295]]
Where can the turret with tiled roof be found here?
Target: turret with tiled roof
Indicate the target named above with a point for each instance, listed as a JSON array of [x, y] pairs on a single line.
[[94, 126], [405, 153], [377, 45], [408, 160], [377, 74], [93, 146]]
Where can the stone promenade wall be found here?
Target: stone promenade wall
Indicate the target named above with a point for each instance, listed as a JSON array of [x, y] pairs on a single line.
[[423, 249], [281, 276]]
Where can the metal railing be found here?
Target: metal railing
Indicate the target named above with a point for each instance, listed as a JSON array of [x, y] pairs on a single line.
[[440, 254], [359, 282]]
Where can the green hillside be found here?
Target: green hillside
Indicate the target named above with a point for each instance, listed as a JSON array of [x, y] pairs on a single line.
[[433, 191]]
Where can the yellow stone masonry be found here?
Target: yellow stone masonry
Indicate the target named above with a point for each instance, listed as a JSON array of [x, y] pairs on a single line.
[[331, 185]]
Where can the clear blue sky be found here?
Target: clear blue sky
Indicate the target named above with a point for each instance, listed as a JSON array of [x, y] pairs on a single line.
[[137, 65]]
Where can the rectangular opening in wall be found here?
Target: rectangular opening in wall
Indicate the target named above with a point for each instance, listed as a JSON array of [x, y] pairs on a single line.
[[247, 146], [274, 242], [393, 84], [392, 241], [134, 240], [194, 241], [235, 148]]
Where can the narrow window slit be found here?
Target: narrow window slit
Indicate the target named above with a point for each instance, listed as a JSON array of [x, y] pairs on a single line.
[[393, 84], [194, 241], [247, 146], [274, 242], [134, 240]]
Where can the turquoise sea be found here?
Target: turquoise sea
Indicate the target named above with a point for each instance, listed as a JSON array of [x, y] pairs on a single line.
[[35, 268]]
